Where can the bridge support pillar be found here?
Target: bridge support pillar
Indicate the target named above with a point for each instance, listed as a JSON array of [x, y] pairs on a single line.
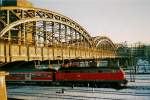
[[3, 93]]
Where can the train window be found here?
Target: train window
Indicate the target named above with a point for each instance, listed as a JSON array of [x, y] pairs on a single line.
[[103, 64], [108, 63], [66, 71], [100, 71]]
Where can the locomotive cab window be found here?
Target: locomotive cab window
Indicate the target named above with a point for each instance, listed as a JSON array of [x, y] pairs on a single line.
[[108, 63], [103, 64]]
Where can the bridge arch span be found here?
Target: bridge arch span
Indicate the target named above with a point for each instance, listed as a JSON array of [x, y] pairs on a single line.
[[19, 16], [29, 34], [104, 41]]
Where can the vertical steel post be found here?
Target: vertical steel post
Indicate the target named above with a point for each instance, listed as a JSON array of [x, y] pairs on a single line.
[[8, 22], [53, 44], [3, 92]]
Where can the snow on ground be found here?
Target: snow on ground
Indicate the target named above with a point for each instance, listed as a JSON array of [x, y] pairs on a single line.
[[138, 90], [143, 66]]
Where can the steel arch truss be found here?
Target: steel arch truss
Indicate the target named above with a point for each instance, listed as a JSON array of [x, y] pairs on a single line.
[[38, 34], [104, 43], [41, 27]]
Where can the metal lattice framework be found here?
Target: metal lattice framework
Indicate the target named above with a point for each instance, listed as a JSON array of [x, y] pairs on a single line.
[[39, 34], [104, 43], [42, 26]]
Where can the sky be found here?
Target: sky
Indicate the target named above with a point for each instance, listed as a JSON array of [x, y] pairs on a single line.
[[120, 20]]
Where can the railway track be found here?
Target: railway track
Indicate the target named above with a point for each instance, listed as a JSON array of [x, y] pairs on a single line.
[[75, 93], [55, 96]]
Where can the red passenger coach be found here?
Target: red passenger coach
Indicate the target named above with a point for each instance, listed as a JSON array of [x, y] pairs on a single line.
[[36, 75]]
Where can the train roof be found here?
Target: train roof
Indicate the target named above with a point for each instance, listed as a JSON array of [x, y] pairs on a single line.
[[86, 68]]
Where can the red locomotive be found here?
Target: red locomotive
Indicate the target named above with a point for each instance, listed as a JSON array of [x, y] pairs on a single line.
[[91, 76]]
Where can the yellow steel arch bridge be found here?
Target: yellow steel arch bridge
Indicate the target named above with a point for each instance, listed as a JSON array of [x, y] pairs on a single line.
[[38, 34]]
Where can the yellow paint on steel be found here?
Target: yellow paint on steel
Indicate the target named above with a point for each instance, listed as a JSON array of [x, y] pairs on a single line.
[[99, 39], [7, 28], [3, 93], [10, 52], [71, 23]]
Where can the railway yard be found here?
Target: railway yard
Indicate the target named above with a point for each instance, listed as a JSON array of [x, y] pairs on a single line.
[[138, 90]]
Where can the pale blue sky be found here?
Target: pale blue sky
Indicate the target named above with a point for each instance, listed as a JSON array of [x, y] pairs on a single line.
[[120, 20]]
